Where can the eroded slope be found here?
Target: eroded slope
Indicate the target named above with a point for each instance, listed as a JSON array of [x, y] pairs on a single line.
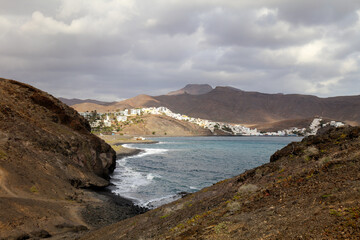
[[46, 154]]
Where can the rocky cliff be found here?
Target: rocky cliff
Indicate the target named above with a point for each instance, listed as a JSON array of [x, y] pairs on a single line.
[[47, 156], [309, 190]]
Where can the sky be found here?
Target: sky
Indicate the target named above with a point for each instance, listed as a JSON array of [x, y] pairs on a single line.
[[115, 49]]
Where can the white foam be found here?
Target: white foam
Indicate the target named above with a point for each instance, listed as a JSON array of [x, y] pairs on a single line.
[[151, 176], [152, 151], [193, 188], [157, 202], [146, 151], [126, 179]]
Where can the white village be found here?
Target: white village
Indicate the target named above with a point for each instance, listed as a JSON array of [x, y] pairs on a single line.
[[111, 119]]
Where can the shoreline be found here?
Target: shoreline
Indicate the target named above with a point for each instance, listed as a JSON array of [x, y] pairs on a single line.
[[114, 207], [111, 207]]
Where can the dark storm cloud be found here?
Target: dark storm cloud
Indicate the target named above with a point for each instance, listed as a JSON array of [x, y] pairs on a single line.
[[244, 28], [320, 12], [115, 49]]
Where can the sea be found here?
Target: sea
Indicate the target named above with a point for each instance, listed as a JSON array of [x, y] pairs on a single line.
[[164, 171]]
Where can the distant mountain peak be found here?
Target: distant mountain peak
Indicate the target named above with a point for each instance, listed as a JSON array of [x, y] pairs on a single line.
[[193, 89]]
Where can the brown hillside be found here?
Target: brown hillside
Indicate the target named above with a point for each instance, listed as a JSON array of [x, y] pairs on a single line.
[[135, 102], [309, 190], [47, 154], [285, 124], [193, 89], [232, 105], [158, 125], [86, 106], [74, 101]]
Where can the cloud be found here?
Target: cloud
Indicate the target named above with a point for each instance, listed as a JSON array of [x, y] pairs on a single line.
[[121, 48]]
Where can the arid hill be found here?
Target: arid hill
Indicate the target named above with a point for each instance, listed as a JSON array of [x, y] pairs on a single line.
[[309, 190], [232, 105], [193, 89], [135, 102], [48, 157], [159, 125], [74, 101]]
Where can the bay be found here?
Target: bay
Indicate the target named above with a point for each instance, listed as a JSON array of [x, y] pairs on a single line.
[[188, 164]]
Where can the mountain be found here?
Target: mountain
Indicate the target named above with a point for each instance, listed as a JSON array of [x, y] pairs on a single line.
[[308, 190], [135, 102], [232, 105], [74, 101], [227, 104], [49, 162], [193, 89]]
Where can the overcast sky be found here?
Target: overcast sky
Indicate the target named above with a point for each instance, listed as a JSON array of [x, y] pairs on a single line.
[[115, 49]]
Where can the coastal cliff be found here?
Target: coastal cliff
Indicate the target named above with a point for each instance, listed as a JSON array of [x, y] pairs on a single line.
[[48, 158], [308, 190]]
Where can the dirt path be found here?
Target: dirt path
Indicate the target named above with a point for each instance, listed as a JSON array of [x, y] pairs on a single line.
[[75, 213], [3, 187], [72, 209]]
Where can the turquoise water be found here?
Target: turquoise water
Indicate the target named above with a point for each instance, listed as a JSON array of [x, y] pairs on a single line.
[[188, 164]]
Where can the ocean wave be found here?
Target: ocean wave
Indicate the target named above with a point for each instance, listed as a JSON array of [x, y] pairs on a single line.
[[146, 151], [127, 179], [150, 151], [127, 145], [151, 176]]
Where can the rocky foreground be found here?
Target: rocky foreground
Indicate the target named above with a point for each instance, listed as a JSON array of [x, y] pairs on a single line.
[[309, 190], [49, 162]]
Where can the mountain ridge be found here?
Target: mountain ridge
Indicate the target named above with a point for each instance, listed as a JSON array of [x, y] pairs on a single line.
[[227, 104], [193, 89], [74, 101]]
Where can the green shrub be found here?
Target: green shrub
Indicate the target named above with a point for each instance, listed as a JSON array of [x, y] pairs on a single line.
[[33, 189]]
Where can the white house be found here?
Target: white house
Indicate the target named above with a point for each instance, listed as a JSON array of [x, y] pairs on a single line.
[[95, 124], [135, 111], [107, 123], [121, 118]]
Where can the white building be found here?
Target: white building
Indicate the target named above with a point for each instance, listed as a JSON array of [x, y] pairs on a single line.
[[107, 123], [95, 124], [121, 118]]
